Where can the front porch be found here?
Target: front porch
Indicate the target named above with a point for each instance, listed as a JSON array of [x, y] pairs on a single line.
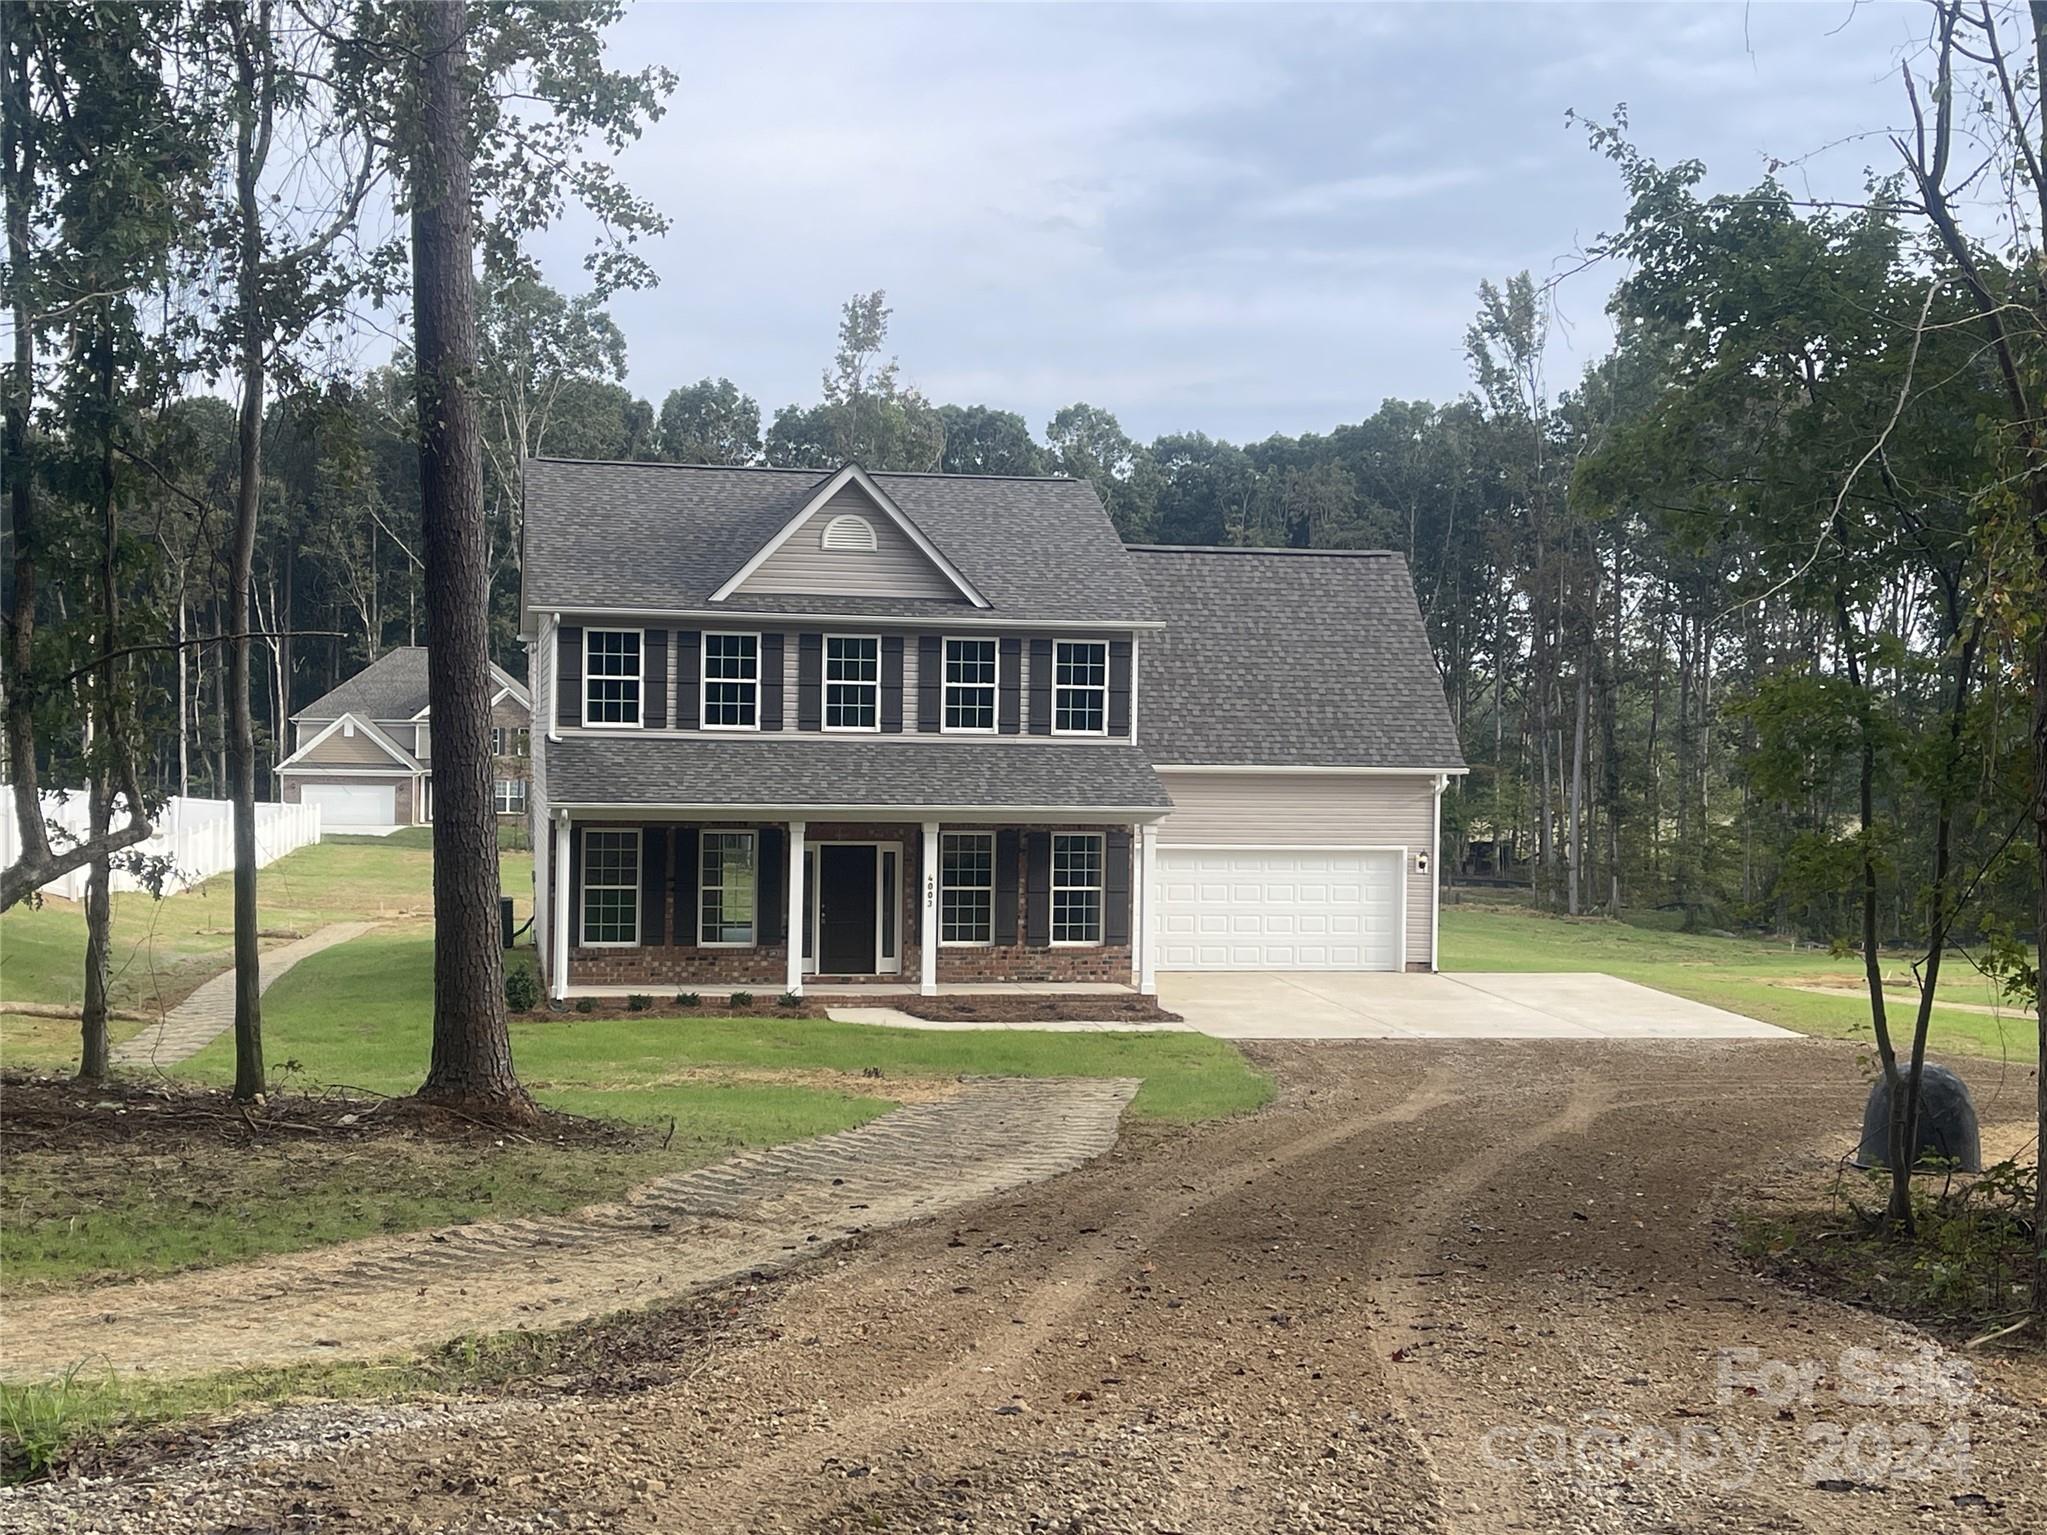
[[874, 907]]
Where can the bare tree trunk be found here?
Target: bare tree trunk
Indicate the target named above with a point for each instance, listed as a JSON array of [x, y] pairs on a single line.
[[92, 1016], [184, 696], [472, 1048], [252, 140], [1576, 835]]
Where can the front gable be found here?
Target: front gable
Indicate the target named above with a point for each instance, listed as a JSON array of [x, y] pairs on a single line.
[[850, 539], [352, 742]]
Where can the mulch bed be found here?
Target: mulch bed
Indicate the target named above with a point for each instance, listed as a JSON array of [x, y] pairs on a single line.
[[1023, 1008], [1019, 1008], [61, 1114]]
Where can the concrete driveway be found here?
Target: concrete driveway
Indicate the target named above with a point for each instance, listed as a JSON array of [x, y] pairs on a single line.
[[1468, 1005]]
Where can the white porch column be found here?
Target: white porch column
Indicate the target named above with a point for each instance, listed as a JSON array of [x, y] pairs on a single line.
[[797, 899], [558, 939], [1142, 928], [927, 932]]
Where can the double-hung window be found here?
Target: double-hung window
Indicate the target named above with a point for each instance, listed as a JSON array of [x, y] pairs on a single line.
[[970, 684], [966, 898], [852, 682], [1077, 887], [1080, 688], [611, 676], [732, 681], [507, 741], [611, 888], [726, 883], [508, 796]]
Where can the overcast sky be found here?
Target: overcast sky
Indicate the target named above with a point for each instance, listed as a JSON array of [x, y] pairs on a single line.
[[1240, 220]]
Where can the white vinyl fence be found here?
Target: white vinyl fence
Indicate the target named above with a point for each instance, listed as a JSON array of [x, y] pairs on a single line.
[[196, 834]]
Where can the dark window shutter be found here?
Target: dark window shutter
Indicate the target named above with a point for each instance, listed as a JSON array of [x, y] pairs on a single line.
[[930, 681], [575, 887], [654, 687], [1038, 888], [771, 682], [653, 885], [1119, 687], [568, 675], [810, 682], [1116, 887], [892, 684], [685, 884], [1006, 858], [1009, 703], [771, 859], [1041, 687], [689, 662]]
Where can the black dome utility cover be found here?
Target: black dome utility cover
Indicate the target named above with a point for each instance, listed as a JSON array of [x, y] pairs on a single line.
[[1947, 1125]]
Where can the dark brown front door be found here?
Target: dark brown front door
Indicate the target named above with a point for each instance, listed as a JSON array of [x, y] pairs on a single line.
[[845, 892]]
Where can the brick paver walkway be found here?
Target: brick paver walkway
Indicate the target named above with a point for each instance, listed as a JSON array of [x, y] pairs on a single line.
[[210, 1011], [754, 1211]]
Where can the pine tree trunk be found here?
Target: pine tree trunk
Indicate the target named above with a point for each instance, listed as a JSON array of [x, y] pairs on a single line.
[[251, 135], [472, 1051]]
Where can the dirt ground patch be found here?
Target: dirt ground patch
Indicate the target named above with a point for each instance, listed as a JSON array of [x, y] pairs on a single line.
[[900, 1089], [1467, 1288]]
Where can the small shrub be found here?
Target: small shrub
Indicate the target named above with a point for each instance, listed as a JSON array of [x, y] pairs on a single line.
[[739, 1001], [688, 999], [638, 1002], [789, 999], [39, 1422], [522, 990], [586, 1004]]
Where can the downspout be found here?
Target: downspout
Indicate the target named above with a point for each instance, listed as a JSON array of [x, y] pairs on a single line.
[[1436, 874]]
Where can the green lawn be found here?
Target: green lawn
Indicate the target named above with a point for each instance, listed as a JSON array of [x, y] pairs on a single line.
[[1744, 975], [356, 1016], [163, 949]]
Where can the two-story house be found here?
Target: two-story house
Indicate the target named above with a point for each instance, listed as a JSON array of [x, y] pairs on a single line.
[[363, 751], [796, 728]]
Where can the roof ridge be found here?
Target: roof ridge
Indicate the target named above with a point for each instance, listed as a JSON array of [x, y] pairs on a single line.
[[1353, 554], [817, 474]]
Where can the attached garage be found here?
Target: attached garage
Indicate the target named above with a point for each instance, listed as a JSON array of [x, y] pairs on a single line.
[[352, 804], [1279, 909]]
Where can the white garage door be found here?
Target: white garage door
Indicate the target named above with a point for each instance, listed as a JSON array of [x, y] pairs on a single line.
[[1277, 909], [346, 804]]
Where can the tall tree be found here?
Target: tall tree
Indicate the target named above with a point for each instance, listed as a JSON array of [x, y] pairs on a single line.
[[472, 1050], [710, 422]]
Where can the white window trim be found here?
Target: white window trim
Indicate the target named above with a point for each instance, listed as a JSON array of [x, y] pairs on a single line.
[[583, 938], [1100, 888], [946, 685], [640, 678], [705, 679], [968, 943], [824, 712], [752, 835], [508, 808], [1057, 687]]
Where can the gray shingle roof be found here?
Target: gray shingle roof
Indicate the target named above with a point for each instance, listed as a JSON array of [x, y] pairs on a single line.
[[1289, 658], [795, 772], [666, 536], [392, 687]]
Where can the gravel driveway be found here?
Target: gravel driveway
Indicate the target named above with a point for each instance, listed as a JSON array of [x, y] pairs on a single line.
[[1453, 1288]]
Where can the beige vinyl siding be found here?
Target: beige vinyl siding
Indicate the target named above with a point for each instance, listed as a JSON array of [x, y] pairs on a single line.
[[894, 568], [343, 750], [1253, 809]]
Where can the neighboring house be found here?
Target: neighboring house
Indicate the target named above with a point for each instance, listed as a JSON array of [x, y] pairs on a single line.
[[364, 752], [798, 728]]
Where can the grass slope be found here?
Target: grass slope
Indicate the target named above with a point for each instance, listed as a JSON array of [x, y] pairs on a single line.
[[163, 949], [1743, 975]]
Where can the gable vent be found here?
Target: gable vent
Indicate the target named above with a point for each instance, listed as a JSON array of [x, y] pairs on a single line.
[[849, 532]]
